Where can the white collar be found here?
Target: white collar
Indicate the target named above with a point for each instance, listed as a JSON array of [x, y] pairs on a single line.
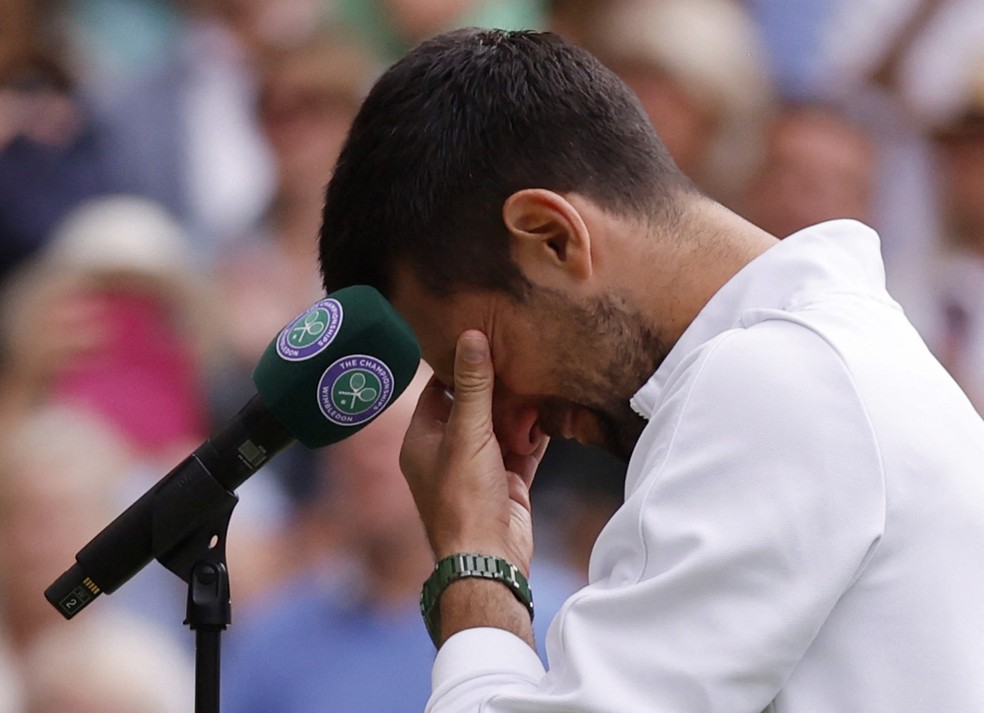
[[840, 255]]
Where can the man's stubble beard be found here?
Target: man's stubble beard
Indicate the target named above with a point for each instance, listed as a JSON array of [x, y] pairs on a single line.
[[607, 351]]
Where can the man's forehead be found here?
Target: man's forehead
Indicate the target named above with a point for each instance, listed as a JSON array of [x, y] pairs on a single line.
[[438, 320]]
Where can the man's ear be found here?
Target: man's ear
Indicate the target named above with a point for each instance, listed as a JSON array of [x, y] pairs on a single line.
[[549, 238]]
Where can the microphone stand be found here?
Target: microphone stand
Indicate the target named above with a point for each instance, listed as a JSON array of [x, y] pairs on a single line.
[[182, 522], [209, 607]]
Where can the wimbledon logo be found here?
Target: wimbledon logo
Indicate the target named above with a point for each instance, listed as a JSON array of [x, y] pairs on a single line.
[[355, 389], [311, 332]]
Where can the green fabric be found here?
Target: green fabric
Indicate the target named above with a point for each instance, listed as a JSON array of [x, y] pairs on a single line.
[[367, 19]]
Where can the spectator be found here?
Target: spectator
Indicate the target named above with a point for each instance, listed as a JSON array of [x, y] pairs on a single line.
[[701, 77], [104, 663], [911, 70], [53, 153], [112, 310], [957, 332], [700, 72], [900, 68], [115, 42], [59, 470], [60, 473], [190, 127], [817, 165]]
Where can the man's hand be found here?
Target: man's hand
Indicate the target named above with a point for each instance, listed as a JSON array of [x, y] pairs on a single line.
[[471, 496]]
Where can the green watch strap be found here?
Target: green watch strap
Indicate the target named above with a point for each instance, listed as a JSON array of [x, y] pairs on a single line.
[[461, 565]]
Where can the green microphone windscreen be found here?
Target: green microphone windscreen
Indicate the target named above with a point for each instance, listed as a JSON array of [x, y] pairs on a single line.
[[337, 365]]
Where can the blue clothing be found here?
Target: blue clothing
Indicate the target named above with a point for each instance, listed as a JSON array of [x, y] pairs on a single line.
[[318, 650], [316, 646], [794, 34], [41, 184], [148, 128]]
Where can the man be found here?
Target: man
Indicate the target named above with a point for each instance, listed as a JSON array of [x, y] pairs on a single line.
[[802, 524]]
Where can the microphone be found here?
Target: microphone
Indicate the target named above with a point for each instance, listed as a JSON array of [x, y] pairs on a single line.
[[328, 373]]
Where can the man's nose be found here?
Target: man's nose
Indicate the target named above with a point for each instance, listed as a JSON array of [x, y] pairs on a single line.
[[515, 421]]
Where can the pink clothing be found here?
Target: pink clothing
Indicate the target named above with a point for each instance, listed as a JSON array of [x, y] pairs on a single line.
[[144, 378]]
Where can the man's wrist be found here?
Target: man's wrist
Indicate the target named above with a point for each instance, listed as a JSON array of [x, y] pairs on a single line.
[[467, 566]]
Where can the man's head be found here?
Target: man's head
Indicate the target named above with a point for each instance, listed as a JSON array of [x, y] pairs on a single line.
[[456, 127], [487, 180]]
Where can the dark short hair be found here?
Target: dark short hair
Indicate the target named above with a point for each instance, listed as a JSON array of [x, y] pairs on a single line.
[[454, 128]]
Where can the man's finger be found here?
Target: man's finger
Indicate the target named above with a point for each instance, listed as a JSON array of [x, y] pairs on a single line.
[[525, 465], [474, 380]]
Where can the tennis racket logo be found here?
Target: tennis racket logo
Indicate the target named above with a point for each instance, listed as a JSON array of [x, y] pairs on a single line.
[[313, 325], [358, 394], [311, 332], [354, 389]]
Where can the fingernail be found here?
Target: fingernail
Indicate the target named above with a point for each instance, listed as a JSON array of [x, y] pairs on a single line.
[[474, 349]]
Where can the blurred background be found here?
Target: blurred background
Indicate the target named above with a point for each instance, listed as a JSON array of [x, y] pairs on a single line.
[[162, 165]]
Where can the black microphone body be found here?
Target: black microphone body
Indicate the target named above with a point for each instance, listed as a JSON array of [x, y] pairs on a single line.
[[180, 503]]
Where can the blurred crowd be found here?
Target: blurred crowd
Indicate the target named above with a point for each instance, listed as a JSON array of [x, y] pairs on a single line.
[[162, 168]]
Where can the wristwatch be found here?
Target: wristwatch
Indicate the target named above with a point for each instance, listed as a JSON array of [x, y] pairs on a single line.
[[461, 565]]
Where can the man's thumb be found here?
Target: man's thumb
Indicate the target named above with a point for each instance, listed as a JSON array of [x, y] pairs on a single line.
[[473, 380]]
